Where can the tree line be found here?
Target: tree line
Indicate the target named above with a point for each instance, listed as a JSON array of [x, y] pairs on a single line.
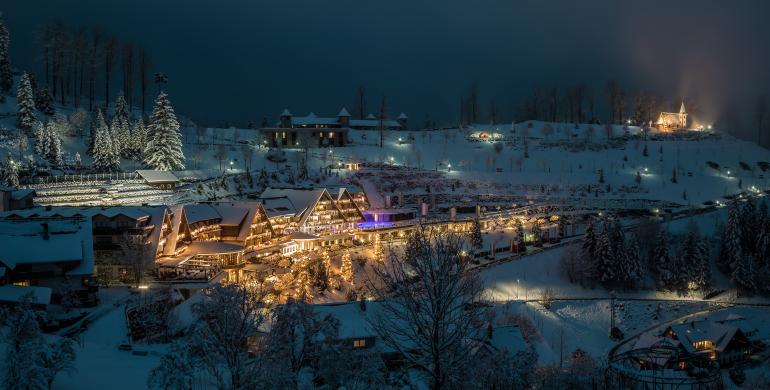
[[82, 64]]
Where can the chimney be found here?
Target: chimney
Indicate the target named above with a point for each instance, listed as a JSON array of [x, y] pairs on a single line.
[[362, 304], [45, 230]]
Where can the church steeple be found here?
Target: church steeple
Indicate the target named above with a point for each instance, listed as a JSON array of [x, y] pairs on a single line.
[[681, 109]]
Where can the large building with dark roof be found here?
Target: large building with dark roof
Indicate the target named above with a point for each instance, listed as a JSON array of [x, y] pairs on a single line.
[[315, 131]]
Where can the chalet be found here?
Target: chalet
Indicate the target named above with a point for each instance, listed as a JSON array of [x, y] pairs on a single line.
[[56, 253], [315, 131], [208, 238], [314, 210], [713, 340], [672, 120]]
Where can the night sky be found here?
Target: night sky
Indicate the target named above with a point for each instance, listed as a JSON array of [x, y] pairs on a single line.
[[240, 60]]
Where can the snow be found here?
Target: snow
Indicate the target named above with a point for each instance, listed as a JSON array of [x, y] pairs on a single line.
[[11, 293], [68, 241]]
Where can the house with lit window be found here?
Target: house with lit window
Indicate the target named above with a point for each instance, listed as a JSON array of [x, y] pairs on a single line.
[[54, 253], [717, 341], [110, 228], [317, 131], [315, 211], [211, 238]]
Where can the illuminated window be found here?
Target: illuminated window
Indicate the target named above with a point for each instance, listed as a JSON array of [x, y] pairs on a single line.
[[284, 134], [22, 283], [359, 343], [331, 134]]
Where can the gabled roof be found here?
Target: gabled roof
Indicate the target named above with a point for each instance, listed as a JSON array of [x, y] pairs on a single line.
[[692, 332], [39, 295], [371, 116], [303, 200], [286, 112], [402, 116], [343, 113], [152, 176], [201, 212]]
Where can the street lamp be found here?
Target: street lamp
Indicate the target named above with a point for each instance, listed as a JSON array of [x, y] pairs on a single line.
[[449, 167]]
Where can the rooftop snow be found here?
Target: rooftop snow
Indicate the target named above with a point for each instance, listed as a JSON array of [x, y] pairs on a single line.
[[153, 176]]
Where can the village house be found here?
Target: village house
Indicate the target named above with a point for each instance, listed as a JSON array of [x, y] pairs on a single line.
[[52, 253], [716, 341]]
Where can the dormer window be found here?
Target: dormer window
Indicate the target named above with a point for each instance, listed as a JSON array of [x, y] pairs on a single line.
[[359, 343]]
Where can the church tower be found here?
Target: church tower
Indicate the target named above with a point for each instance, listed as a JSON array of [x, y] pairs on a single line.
[[682, 116]]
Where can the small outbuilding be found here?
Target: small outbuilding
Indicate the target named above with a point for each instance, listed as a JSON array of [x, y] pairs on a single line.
[[160, 179]]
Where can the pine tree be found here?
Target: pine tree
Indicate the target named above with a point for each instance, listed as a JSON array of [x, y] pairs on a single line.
[[607, 270], [638, 178], [731, 250], [263, 180], [673, 176], [25, 116], [52, 145], [601, 176], [632, 262], [138, 139], [120, 136], [6, 79], [41, 139], [476, 240], [588, 252], [695, 261], [164, 146], [104, 156], [743, 275], [644, 151], [10, 173], [664, 266]]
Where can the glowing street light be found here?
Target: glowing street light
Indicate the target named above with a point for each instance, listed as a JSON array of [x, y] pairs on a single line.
[[449, 167], [645, 170]]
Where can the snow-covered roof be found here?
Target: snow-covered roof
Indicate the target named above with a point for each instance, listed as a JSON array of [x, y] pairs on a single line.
[[68, 240], [153, 176], [402, 116], [22, 193], [371, 116], [312, 119], [201, 212], [211, 247], [343, 113], [39, 295], [303, 200], [275, 207], [231, 215], [692, 332], [508, 337], [285, 112]]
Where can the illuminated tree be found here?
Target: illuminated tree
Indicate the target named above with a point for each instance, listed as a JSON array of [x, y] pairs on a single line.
[[379, 257], [104, 156], [347, 268], [303, 281], [476, 240]]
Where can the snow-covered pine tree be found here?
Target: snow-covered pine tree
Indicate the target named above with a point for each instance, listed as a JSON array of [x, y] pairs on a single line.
[[55, 154], [263, 179], [664, 266], [120, 127], [632, 262], [476, 240], [104, 157], [607, 270], [138, 139], [588, 251], [25, 115], [121, 136], [164, 143], [6, 79], [78, 161], [731, 250], [695, 261], [10, 173], [39, 132], [743, 275], [749, 225]]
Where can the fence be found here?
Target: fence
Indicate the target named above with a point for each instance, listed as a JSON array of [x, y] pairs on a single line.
[[80, 178]]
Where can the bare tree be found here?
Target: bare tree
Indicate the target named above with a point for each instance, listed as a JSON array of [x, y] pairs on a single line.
[[137, 254], [128, 73], [361, 102], [109, 59], [616, 100], [383, 115], [93, 62], [430, 306], [144, 75]]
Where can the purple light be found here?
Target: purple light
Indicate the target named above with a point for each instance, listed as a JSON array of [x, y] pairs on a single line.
[[372, 224]]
